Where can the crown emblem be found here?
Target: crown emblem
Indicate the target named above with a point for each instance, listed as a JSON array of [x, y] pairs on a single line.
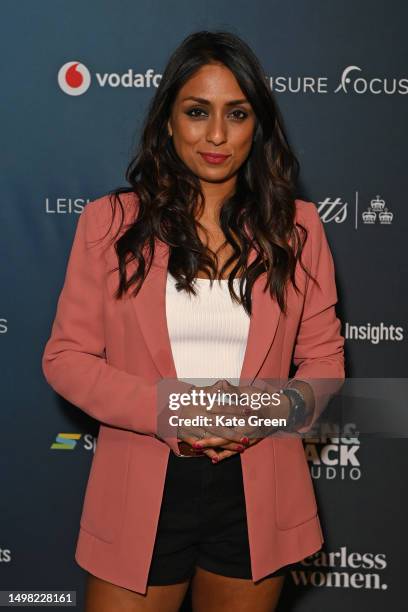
[[377, 209], [386, 216], [377, 204], [369, 216]]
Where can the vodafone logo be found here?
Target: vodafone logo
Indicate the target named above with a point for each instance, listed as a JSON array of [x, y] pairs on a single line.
[[74, 78]]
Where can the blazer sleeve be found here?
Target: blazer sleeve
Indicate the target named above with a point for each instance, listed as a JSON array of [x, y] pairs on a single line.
[[319, 346], [74, 361]]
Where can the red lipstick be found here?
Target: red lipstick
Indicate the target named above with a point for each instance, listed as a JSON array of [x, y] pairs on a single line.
[[214, 158]]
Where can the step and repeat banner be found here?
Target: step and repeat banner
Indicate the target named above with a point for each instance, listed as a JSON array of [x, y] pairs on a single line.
[[76, 81]]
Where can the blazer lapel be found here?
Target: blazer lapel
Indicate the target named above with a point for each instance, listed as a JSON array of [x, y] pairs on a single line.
[[150, 307]]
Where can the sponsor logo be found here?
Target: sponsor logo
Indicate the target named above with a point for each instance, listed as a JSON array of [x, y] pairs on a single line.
[[337, 210], [374, 333], [69, 441], [74, 78], [351, 81], [377, 213], [331, 456], [342, 569], [65, 441]]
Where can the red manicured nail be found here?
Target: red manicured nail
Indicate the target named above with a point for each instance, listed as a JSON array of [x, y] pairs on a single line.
[[214, 459], [244, 440]]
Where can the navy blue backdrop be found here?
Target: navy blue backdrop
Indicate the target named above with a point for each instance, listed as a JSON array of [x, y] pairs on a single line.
[[340, 75]]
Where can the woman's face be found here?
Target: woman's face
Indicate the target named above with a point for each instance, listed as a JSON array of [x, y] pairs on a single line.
[[211, 115]]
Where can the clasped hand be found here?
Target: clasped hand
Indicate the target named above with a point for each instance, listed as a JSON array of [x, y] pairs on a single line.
[[219, 441]]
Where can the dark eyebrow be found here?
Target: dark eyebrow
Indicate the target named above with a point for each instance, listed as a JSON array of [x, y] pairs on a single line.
[[204, 101]]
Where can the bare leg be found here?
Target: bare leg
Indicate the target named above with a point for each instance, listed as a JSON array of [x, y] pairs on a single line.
[[213, 592], [103, 596]]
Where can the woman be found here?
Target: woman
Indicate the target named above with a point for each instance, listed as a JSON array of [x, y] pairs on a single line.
[[212, 196]]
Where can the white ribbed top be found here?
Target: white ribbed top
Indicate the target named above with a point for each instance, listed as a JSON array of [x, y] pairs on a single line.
[[208, 332]]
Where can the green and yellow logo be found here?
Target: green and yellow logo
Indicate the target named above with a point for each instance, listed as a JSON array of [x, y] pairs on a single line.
[[65, 441]]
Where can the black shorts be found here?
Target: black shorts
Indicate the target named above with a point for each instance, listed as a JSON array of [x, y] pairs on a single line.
[[202, 522]]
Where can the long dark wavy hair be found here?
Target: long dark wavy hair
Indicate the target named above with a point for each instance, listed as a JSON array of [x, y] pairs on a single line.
[[169, 193]]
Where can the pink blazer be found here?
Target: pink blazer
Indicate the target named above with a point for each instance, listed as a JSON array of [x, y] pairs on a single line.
[[106, 356]]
